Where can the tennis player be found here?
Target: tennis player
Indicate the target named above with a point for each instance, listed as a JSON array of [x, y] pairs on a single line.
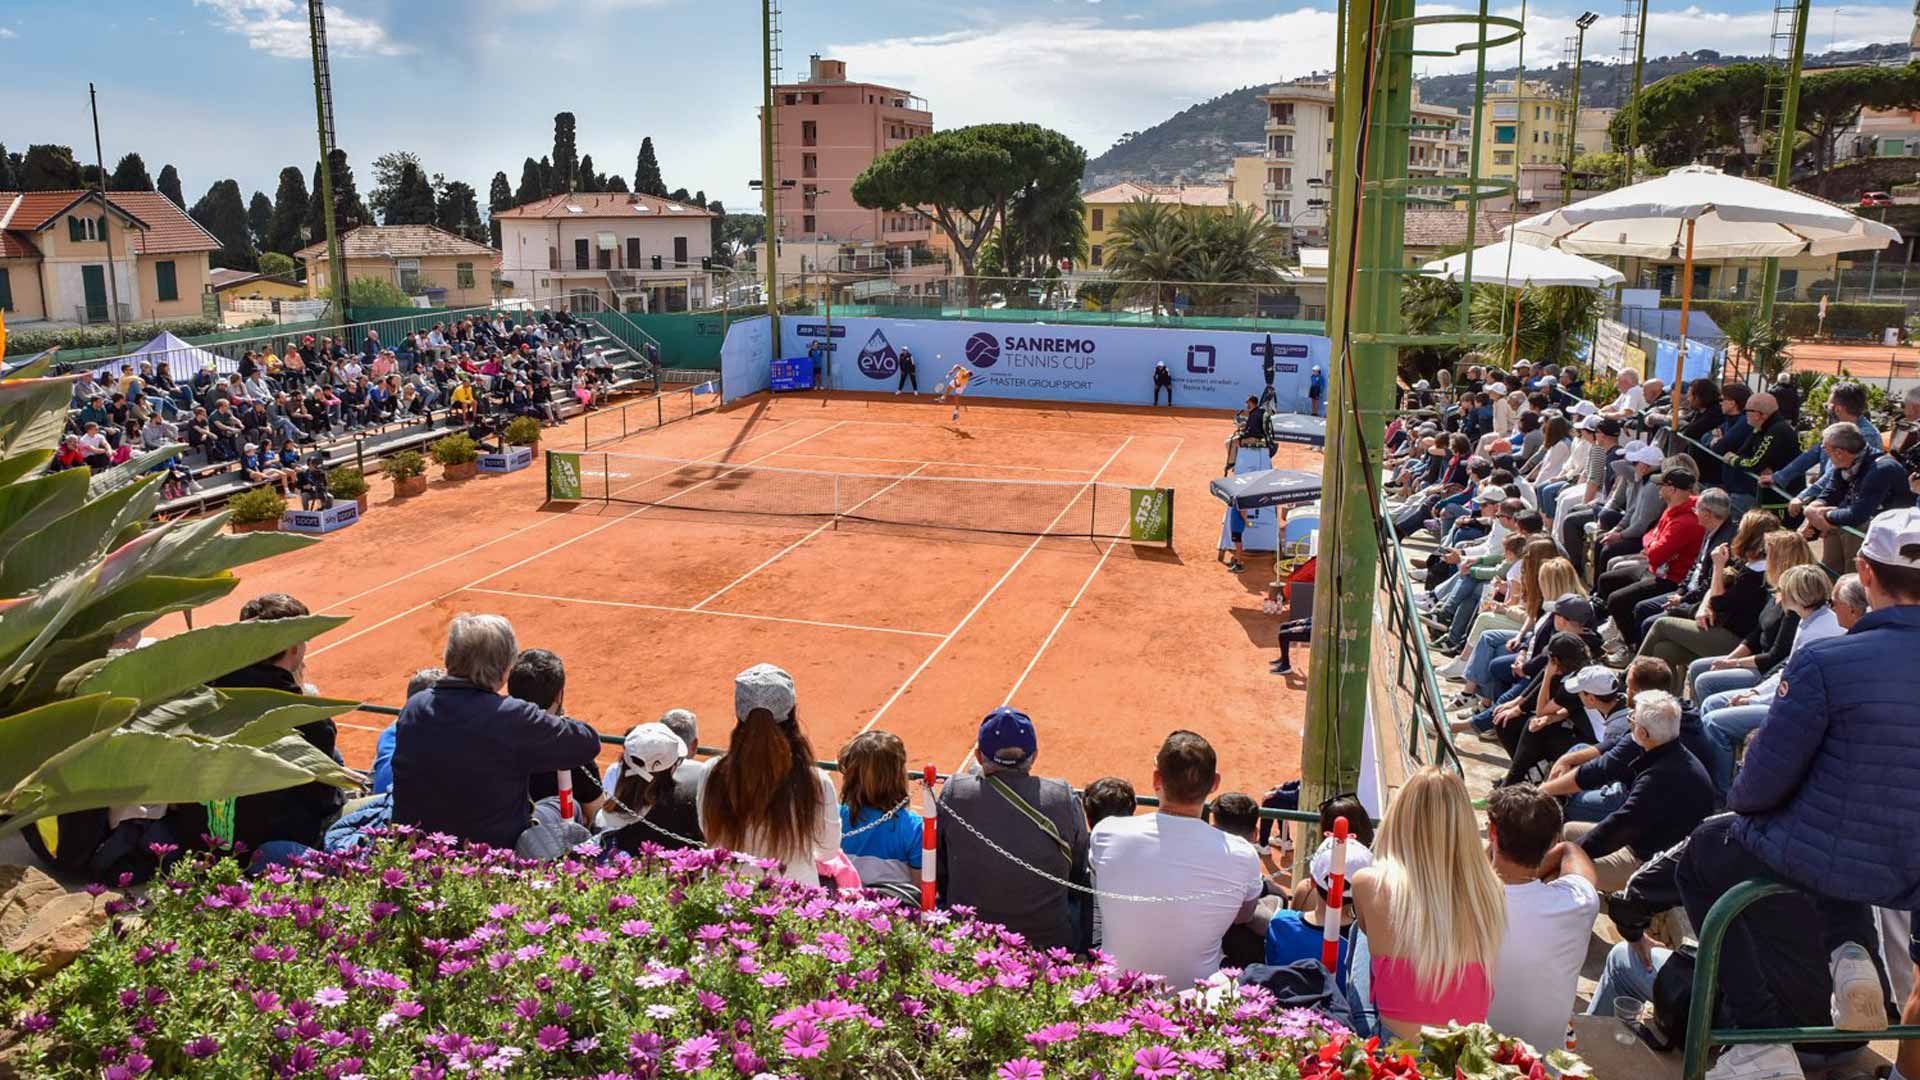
[[957, 379]]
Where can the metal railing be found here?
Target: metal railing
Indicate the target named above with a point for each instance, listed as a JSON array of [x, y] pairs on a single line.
[[1083, 296], [1402, 669], [610, 424], [1701, 1033], [1783, 496]]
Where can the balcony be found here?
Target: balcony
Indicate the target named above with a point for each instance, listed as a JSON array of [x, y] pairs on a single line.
[[1276, 189]]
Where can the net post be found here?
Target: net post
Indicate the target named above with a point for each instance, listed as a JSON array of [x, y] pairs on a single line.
[[835, 520], [606, 478], [929, 835], [1093, 514], [586, 423], [623, 421], [1170, 505], [1330, 942], [659, 411]]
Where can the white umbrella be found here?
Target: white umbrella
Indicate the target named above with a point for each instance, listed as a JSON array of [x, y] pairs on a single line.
[[1519, 266], [1522, 265], [1700, 212]]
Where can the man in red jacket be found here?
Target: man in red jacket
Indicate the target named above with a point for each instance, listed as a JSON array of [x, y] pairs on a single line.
[[1670, 546]]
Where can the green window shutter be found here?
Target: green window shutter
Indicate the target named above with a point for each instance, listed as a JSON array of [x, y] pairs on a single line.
[[6, 291], [167, 285], [103, 227], [76, 230]]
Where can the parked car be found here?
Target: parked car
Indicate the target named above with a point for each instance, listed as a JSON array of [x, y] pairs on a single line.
[[1876, 198]]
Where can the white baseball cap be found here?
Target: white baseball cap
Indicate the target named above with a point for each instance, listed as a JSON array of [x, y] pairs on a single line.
[[651, 749], [1596, 679], [1497, 388], [1646, 455], [763, 686], [1321, 866], [1894, 538], [1585, 408], [1591, 421]]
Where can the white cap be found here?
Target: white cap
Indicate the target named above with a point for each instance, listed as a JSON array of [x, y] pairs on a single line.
[[763, 686], [1497, 388], [1585, 408], [1596, 679], [1894, 538], [1590, 423], [1491, 493], [1646, 455], [651, 749], [1422, 385], [1321, 867]]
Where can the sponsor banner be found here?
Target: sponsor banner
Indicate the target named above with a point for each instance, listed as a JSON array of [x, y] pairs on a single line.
[[1610, 345], [1635, 357], [1152, 515], [513, 460], [1212, 369], [746, 358], [563, 477], [338, 516]]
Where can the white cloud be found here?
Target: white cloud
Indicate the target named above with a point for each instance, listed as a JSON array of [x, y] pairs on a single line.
[[1094, 79], [279, 28], [6, 33]]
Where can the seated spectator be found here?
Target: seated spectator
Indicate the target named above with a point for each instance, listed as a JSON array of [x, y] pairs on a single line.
[[764, 797], [1299, 932], [464, 750], [97, 451], [1772, 635], [668, 808], [1359, 827], [1825, 802], [1846, 404], [1236, 814], [226, 427], [1547, 718], [1668, 792], [70, 455], [879, 830], [1431, 908], [259, 467], [540, 678], [297, 814], [1730, 711], [1679, 561], [380, 777], [1552, 899], [1730, 610], [1858, 483], [1036, 820], [157, 433], [1210, 878], [1771, 444]]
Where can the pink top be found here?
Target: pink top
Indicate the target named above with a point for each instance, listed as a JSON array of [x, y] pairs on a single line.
[[1397, 995]]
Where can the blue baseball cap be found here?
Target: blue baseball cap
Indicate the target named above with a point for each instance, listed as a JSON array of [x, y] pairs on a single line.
[[1006, 736]]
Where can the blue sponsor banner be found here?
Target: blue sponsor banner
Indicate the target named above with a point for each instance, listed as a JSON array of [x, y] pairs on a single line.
[[1212, 369]]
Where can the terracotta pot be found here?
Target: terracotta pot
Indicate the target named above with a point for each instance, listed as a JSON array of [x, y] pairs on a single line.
[[255, 526], [465, 471], [412, 485]]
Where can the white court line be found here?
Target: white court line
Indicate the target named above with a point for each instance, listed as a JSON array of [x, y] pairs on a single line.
[[823, 527], [696, 611], [504, 536], [982, 602], [922, 426], [562, 544], [923, 461], [1075, 602]]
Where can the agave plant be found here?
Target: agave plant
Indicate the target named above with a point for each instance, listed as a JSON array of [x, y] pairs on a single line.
[[86, 721]]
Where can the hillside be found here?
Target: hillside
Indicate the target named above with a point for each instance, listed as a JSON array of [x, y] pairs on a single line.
[[1198, 144]]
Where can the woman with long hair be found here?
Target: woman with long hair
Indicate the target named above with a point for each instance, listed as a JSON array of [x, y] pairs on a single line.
[[765, 797], [1556, 442], [879, 830], [1771, 638], [1520, 607], [1489, 671], [644, 805], [1730, 610], [1432, 909]]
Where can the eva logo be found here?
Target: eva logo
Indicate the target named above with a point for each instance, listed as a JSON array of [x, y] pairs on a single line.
[[983, 350], [1200, 359], [877, 359]]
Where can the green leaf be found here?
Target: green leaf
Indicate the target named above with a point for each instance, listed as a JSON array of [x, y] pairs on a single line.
[[249, 715], [173, 664], [28, 740], [30, 626], [28, 506], [33, 411], [147, 767], [146, 599], [301, 754], [23, 464], [35, 368], [175, 714], [71, 540], [224, 551], [132, 469], [278, 723]]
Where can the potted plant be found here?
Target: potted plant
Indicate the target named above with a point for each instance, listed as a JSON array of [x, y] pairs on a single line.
[[523, 431], [458, 455], [408, 471], [257, 510], [347, 482]]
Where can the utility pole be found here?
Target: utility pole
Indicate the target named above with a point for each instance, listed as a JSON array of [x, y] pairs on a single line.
[[1586, 19], [1783, 145], [106, 208], [323, 108], [768, 202], [1633, 102]]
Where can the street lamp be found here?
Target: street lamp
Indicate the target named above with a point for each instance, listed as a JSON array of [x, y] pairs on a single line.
[[1586, 19]]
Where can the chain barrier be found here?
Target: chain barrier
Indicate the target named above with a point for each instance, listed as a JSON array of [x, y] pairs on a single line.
[[946, 813], [692, 843]]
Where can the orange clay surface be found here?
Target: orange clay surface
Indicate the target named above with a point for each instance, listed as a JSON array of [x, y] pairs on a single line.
[[919, 632]]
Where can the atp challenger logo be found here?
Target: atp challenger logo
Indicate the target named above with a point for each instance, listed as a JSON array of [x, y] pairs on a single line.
[[983, 350], [877, 359]]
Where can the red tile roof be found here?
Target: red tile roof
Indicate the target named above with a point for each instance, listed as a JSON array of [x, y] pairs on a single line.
[[605, 204], [163, 227], [400, 242], [1441, 227], [17, 245]]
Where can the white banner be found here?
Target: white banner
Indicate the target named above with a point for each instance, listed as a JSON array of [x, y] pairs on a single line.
[[1610, 345]]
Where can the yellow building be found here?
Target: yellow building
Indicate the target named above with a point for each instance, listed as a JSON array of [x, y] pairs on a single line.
[[55, 263], [420, 260], [1524, 139], [1103, 210]]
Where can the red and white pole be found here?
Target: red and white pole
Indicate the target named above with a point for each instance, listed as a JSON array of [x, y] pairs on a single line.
[[1336, 891], [928, 837], [564, 781]]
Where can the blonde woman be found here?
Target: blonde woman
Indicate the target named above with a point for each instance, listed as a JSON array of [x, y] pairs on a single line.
[[1491, 666], [1730, 610], [1772, 637], [1520, 605], [1433, 911]]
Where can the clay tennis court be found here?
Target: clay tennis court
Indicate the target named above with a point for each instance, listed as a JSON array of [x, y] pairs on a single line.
[[914, 630]]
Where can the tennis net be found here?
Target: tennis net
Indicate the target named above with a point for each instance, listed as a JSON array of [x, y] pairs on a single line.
[[1090, 509]]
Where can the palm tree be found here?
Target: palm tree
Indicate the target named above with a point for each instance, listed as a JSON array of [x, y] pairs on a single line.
[[1151, 245]]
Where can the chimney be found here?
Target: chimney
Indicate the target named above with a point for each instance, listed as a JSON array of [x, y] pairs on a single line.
[[819, 70]]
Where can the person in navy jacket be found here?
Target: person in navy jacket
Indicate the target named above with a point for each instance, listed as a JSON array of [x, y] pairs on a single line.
[[1826, 802]]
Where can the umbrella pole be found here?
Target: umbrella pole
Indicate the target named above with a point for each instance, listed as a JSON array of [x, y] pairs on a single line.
[[1686, 307], [1513, 346]]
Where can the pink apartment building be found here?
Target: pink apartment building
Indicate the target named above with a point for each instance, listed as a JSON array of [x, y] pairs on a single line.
[[829, 129]]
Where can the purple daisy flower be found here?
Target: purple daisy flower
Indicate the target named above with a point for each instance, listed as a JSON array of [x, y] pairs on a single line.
[[804, 1040], [695, 1054], [552, 1039], [1022, 1068], [1156, 1063]]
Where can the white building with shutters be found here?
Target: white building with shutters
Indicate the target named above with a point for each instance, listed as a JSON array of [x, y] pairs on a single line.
[[630, 252]]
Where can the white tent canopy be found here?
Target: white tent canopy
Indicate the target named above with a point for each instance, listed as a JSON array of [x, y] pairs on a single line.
[[1523, 265], [181, 358], [1734, 218]]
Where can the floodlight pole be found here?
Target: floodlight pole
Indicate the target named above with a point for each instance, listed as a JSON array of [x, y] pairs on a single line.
[[323, 108], [767, 200], [1783, 147], [1633, 103], [1580, 25], [100, 186]]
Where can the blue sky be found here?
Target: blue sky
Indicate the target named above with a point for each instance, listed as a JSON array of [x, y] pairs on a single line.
[[222, 88]]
